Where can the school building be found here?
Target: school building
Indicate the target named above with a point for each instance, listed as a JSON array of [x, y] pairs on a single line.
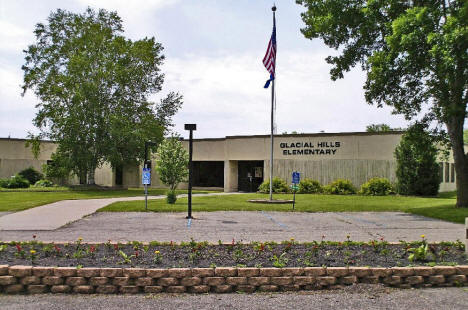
[[241, 163]]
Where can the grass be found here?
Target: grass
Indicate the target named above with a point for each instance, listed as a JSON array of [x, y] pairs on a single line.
[[438, 207], [19, 200]]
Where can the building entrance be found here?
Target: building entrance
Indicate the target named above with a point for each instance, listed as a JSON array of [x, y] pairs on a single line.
[[249, 175]]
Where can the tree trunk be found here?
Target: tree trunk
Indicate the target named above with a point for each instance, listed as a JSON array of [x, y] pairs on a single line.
[[455, 131]]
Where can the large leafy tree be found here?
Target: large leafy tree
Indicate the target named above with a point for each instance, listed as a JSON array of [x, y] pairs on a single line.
[[94, 86], [414, 53]]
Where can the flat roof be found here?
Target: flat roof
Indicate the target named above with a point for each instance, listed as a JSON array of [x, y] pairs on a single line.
[[320, 134]]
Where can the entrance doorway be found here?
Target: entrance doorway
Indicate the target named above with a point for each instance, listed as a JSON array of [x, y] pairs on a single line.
[[249, 175]]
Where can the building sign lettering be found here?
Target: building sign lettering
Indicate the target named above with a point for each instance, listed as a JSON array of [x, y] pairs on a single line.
[[309, 148]]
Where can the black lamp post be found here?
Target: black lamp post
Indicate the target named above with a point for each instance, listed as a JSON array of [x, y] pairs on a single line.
[[191, 128]]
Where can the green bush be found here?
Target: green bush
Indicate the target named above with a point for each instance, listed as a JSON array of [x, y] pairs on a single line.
[[43, 183], [31, 174], [14, 182], [417, 168], [376, 187], [279, 186], [171, 197], [4, 183], [340, 187], [309, 186]]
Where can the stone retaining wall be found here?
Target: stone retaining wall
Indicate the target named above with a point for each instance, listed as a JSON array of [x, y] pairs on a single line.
[[33, 280]]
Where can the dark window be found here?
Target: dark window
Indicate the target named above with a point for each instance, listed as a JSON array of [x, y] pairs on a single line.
[[119, 175], [441, 172], [447, 172], [208, 173], [452, 175]]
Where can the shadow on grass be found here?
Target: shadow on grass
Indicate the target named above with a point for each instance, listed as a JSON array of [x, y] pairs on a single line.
[[445, 212]]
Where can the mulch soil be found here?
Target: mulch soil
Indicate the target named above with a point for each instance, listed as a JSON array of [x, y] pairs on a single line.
[[202, 254]]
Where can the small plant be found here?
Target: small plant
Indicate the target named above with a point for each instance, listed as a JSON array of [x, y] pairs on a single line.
[[171, 197], [238, 255], [280, 261], [43, 183], [340, 187], [19, 251], [31, 174], [16, 181], [127, 259], [157, 258], [309, 186], [421, 253], [32, 255], [3, 247], [279, 186], [212, 265], [376, 187]]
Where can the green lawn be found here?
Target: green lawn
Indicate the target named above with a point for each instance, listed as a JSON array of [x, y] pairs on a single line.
[[28, 198], [441, 207]]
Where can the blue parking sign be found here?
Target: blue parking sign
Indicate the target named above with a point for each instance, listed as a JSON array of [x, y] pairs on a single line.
[[296, 177], [146, 176]]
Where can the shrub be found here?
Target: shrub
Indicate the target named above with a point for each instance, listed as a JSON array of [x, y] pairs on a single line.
[[31, 174], [376, 187], [171, 197], [279, 186], [309, 186], [340, 187], [417, 169], [4, 183], [15, 182], [43, 183]]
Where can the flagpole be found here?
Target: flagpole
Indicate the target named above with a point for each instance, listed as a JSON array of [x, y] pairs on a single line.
[[272, 138], [272, 122]]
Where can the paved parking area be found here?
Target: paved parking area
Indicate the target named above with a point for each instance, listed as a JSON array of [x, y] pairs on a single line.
[[360, 296], [246, 227]]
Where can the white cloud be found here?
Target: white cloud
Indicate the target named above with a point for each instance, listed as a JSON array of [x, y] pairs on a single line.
[[225, 95], [13, 37]]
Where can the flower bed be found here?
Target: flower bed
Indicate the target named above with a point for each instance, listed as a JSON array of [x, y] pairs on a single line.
[[199, 267], [378, 253]]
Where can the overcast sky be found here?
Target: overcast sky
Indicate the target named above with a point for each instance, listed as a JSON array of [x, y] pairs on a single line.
[[214, 51]]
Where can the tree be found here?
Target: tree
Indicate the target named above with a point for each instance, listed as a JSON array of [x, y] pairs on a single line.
[[93, 85], [172, 163], [414, 54], [378, 128], [417, 168]]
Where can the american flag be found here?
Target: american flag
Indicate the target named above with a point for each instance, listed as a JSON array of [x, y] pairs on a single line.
[[270, 56]]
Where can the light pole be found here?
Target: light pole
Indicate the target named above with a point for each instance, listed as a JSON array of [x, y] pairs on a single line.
[[191, 128]]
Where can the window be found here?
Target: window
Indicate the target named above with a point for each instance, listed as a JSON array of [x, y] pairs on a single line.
[[452, 173], [447, 172], [441, 172]]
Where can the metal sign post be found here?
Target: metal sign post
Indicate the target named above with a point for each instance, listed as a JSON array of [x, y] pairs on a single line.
[[296, 178], [191, 128], [146, 180], [146, 173]]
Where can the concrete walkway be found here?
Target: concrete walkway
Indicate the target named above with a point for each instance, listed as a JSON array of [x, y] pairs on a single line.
[[60, 213]]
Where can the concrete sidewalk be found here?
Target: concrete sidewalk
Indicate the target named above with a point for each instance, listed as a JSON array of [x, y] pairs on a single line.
[[57, 214]]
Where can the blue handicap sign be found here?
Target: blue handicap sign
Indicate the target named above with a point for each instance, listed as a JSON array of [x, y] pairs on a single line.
[[296, 177], [146, 176]]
